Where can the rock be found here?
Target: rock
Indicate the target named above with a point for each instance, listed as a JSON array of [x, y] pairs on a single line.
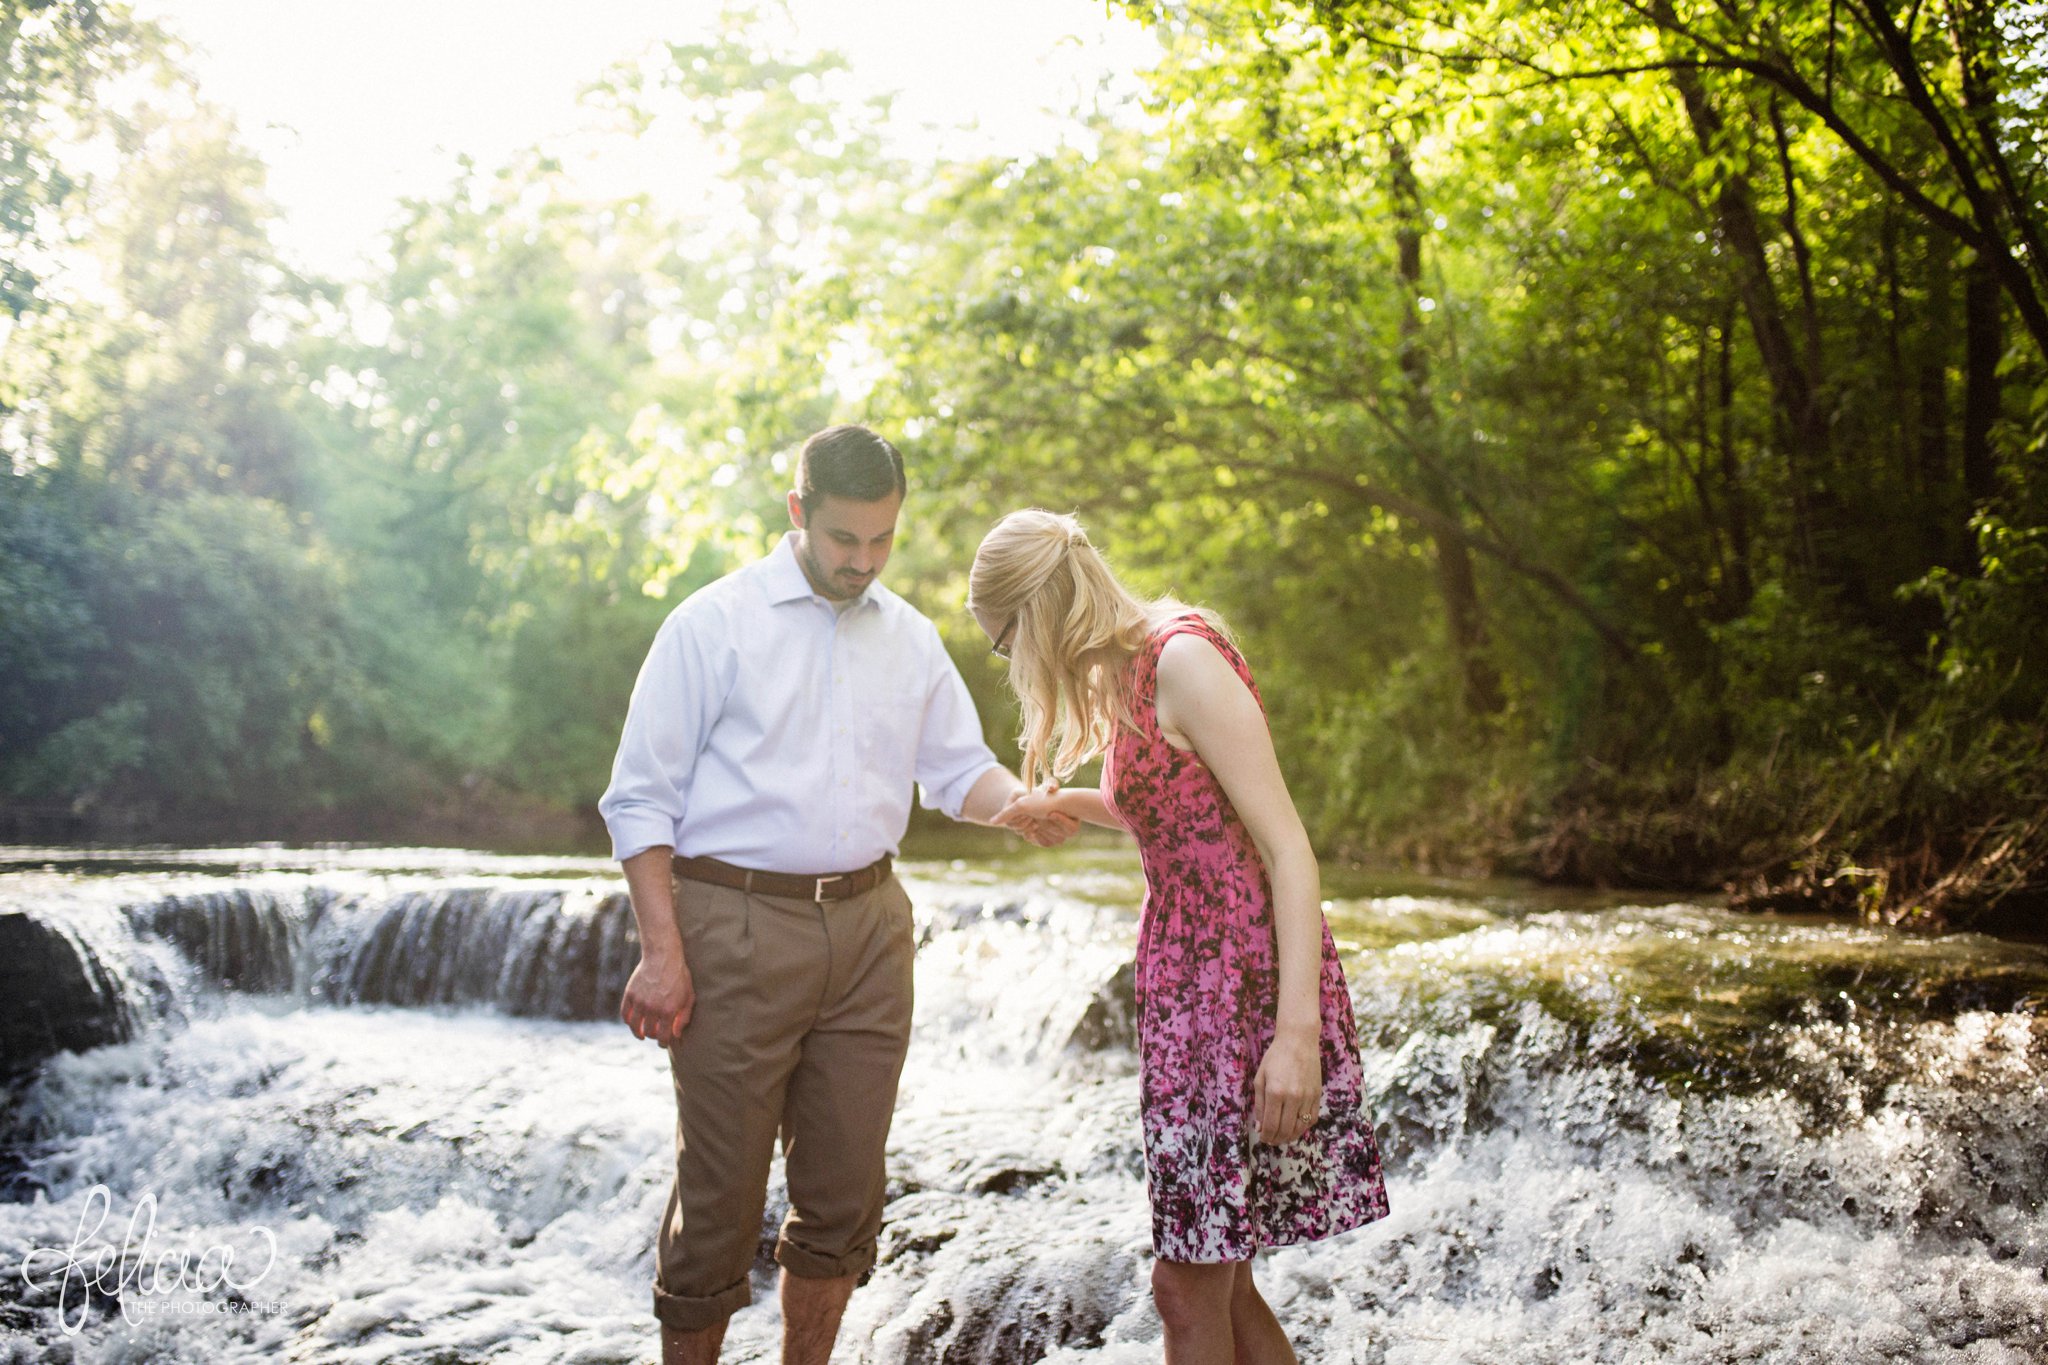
[[1011, 1178], [55, 994], [1111, 1019]]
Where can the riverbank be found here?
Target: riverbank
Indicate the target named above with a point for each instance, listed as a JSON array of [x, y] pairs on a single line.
[[2000, 887], [1827, 846]]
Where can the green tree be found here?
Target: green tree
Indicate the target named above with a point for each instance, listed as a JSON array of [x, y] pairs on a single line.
[[170, 381], [53, 56], [1660, 385]]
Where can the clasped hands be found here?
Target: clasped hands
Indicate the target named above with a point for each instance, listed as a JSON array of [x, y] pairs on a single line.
[[1033, 815]]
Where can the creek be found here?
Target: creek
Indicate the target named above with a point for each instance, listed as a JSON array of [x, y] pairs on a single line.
[[393, 1082]]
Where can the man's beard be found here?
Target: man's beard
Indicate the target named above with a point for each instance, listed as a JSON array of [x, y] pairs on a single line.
[[839, 587]]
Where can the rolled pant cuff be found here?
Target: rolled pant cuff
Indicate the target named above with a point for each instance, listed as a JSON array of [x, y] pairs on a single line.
[[810, 1265], [686, 1314]]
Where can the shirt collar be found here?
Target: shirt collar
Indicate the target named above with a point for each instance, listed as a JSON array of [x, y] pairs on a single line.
[[787, 583]]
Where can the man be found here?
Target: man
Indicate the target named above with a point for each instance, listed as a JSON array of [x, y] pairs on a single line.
[[762, 785]]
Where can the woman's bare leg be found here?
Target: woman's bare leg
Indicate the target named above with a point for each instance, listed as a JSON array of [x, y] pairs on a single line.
[[1256, 1333], [1195, 1303]]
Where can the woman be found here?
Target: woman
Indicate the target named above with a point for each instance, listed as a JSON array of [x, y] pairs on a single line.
[[1249, 1059]]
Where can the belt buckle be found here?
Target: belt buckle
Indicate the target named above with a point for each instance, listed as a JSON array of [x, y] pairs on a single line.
[[818, 887]]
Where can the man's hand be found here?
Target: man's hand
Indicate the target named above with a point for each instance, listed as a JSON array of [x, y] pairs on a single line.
[[659, 997], [1036, 817], [1050, 832], [994, 802], [1030, 804]]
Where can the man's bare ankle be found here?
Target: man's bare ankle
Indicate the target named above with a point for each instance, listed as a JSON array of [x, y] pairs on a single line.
[[811, 1310], [691, 1348]]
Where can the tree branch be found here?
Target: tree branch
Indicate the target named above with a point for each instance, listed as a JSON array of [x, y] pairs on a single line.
[[1372, 494]]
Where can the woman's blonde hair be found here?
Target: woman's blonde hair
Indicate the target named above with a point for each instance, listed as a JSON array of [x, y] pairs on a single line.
[[1073, 630]]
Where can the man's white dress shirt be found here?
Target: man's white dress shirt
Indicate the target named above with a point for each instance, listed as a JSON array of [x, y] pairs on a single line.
[[771, 731]]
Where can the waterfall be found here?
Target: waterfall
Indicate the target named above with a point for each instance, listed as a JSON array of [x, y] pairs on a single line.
[[556, 952], [78, 975], [552, 951]]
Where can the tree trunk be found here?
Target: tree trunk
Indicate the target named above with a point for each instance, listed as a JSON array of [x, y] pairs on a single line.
[[1741, 586], [1803, 428], [1456, 582], [1983, 328], [1933, 474], [1983, 343]]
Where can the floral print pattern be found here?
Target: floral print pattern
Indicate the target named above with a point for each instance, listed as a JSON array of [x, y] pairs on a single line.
[[1207, 991]]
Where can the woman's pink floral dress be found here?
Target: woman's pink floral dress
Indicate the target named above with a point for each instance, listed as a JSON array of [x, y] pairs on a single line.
[[1207, 983]]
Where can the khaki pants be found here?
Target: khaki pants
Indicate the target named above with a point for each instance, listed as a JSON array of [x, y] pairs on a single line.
[[801, 1020]]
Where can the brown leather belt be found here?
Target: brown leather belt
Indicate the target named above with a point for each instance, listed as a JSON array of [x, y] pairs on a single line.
[[830, 886]]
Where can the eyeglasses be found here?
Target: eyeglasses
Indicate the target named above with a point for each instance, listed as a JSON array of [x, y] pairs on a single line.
[[1001, 648]]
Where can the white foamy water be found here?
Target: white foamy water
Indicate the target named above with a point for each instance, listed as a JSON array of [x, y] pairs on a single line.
[[1623, 1134]]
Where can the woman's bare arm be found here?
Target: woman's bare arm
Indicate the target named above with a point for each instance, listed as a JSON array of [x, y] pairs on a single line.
[[1202, 700], [1079, 803]]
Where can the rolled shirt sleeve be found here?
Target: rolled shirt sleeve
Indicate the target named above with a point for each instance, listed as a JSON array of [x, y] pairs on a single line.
[[951, 754], [676, 700]]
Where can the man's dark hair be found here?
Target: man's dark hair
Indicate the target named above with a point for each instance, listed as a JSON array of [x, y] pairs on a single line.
[[850, 462]]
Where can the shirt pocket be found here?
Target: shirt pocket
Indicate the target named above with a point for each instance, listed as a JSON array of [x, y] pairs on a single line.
[[890, 731]]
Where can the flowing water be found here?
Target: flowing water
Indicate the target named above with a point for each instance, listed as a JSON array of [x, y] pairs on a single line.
[[389, 1084]]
